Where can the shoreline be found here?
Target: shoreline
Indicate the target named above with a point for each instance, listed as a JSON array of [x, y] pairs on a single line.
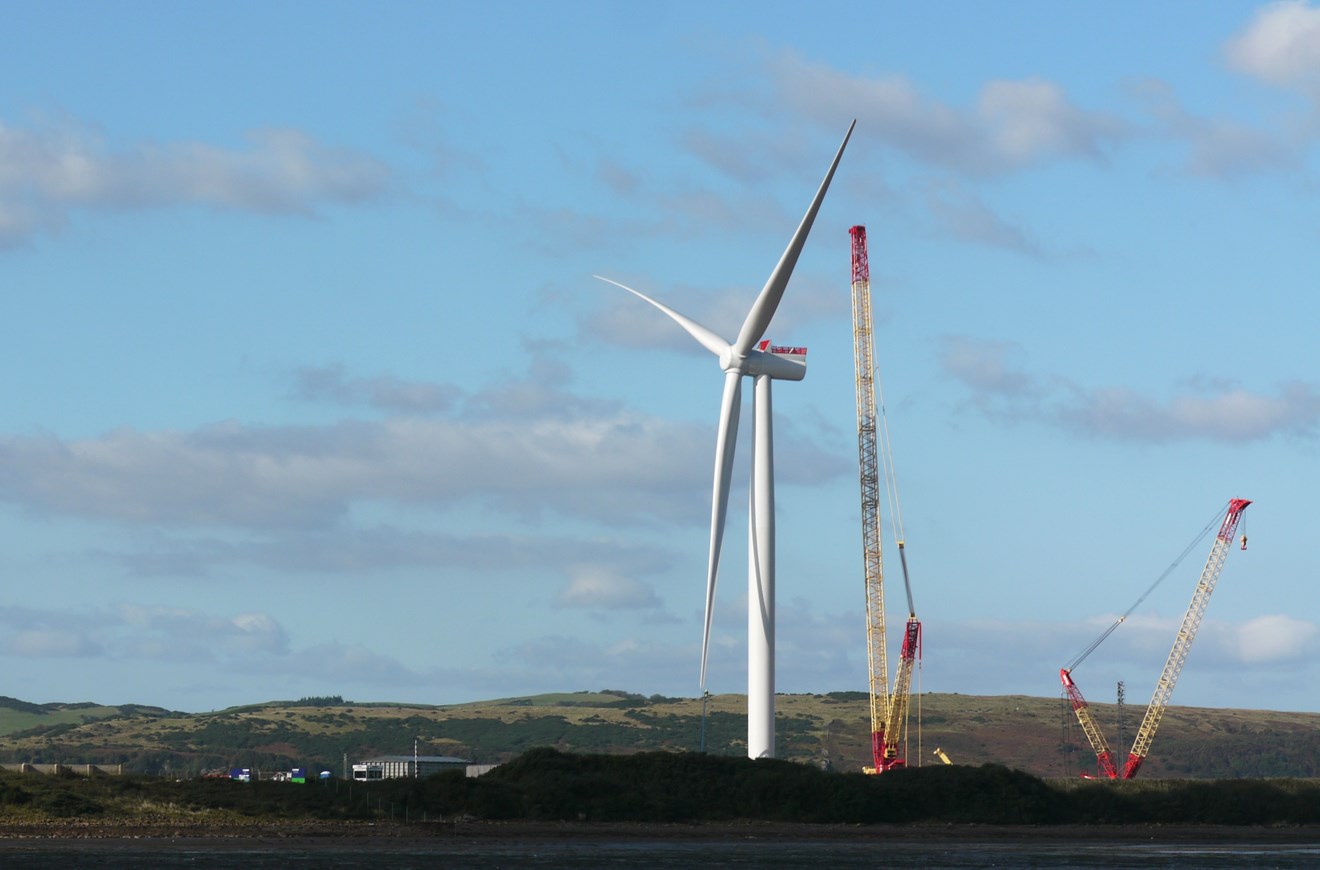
[[126, 834]]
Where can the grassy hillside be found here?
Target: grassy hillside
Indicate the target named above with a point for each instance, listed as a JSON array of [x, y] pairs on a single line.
[[21, 717], [831, 730]]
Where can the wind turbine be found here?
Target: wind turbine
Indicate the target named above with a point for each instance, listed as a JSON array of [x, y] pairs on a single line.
[[750, 356]]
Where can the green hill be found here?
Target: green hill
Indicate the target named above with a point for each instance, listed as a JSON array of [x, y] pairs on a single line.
[[830, 731]]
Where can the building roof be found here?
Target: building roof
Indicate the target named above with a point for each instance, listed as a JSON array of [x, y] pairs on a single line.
[[421, 759]]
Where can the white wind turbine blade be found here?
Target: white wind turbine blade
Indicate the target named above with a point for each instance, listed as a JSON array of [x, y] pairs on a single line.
[[758, 319], [725, 441], [704, 336]]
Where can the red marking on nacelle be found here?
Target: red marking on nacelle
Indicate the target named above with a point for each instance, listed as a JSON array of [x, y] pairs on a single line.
[[766, 347]]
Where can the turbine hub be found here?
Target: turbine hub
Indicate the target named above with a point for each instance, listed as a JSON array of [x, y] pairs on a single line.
[[731, 363]]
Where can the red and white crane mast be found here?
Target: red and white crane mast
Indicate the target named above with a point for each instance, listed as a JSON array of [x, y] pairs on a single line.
[[868, 458]]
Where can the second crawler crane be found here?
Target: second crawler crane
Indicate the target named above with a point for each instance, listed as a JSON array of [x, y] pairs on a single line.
[[1182, 644]]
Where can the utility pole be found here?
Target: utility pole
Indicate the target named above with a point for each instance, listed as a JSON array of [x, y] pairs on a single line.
[[1122, 716]]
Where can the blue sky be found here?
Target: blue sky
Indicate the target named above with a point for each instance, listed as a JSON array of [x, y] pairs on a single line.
[[309, 389]]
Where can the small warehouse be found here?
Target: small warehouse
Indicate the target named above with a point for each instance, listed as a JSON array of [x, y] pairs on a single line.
[[405, 766]]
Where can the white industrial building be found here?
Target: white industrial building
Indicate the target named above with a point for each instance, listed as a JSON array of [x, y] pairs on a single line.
[[405, 766]]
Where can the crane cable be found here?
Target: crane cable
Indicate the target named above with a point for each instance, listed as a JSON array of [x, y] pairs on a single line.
[[896, 526], [891, 487], [1081, 657], [919, 690]]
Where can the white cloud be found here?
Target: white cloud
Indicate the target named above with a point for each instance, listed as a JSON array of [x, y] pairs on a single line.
[[255, 633], [1276, 638], [1027, 120], [596, 587], [47, 172], [1280, 46]]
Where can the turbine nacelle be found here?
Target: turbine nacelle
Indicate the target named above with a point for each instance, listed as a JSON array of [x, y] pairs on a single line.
[[779, 363]]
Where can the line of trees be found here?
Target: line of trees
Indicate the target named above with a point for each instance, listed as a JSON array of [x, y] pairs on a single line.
[[544, 784]]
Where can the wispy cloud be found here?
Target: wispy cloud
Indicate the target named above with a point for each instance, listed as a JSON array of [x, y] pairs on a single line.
[[234, 475], [28, 632], [331, 384], [46, 172], [524, 447], [1009, 127], [1012, 125], [346, 550], [572, 661], [1200, 410], [960, 214], [1279, 47], [244, 643], [139, 632], [336, 664], [1220, 148], [49, 643]]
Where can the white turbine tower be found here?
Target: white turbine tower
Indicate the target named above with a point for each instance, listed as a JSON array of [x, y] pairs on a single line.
[[749, 356]]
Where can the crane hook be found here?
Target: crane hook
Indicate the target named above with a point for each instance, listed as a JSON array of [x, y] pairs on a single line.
[[1244, 542]]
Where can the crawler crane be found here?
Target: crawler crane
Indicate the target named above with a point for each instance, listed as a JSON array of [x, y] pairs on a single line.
[[889, 711], [1182, 644]]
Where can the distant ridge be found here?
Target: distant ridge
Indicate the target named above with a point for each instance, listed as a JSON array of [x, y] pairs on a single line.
[[828, 730]]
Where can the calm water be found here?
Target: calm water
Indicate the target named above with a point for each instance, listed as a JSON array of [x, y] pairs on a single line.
[[662, 854]]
